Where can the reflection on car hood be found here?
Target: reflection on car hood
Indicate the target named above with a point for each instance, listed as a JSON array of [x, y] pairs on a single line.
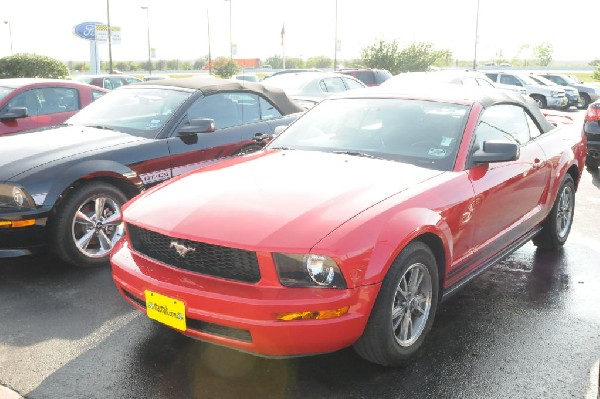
[[22, 152], [275, 200]]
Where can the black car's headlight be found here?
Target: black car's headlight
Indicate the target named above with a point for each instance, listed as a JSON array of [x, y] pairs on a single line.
[[15, 197], [308, 270]]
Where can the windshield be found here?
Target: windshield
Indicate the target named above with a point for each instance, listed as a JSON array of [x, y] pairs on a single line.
[[528, 80], [572, 80], [423, 133], [5, 91], [290, 81], [542, 80], [136, 110]]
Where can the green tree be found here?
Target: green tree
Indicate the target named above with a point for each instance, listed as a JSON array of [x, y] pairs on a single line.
[[225, 67], [416, 57], [199, 63], [294, 63], [275, 61], [25, 65], [595, 63], [382, 55], [543, 52], [186, 65], [596, 74], [122, 66], [319, 62]]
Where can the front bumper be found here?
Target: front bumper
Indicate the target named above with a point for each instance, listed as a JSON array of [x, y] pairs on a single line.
[[556, 102], [573, 99], [21, 241], [243, 316]]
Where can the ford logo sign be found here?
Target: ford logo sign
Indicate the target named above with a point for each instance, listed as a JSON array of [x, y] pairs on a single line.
[[86, 30]]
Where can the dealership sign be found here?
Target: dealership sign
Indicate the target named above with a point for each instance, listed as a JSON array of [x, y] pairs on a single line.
[[97, 31]]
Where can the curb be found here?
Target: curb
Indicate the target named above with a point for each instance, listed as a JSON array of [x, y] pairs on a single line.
[[6, 393]]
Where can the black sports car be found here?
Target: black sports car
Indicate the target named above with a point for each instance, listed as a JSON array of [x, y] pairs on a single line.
[[64, 186]]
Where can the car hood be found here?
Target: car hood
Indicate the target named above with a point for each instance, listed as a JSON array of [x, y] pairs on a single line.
[[25, 151], [272, 201]]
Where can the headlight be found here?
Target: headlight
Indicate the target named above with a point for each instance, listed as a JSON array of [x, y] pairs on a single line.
[[15, 197], [308, 270]]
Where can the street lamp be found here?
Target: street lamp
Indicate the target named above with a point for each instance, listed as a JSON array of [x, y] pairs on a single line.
[[476, 37], [335, 38], [230, 41], [149, 49], [9, 35]]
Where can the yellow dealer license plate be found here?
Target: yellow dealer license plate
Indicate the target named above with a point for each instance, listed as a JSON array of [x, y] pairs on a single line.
[[166, 310]]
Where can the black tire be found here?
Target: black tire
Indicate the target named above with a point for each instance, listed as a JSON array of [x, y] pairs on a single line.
[[540, 100], [82, 235], [592, 163], [557, 226], [385, 340], [585, 101]]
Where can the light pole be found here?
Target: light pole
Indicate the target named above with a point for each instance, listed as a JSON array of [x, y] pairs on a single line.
[[149, 49], [335, 38], [209, 56], [10, 36], [476, 37], [230, 41], [110, 66]]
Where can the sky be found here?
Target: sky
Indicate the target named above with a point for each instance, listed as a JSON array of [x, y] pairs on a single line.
[[178, 28]]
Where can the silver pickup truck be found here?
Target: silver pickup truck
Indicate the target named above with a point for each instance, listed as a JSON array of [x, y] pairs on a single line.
[[544, 96]]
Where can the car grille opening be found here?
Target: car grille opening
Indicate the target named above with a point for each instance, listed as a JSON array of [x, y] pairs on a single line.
[[202, 258]]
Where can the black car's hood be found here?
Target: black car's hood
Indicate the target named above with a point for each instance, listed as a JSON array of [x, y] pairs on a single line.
[[22, 152]]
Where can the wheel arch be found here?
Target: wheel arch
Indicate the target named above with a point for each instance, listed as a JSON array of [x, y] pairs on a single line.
[[110, 172]]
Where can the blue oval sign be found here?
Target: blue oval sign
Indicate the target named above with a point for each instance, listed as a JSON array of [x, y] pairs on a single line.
[[86, 30]]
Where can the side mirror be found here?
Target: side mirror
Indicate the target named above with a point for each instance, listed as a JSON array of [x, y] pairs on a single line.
[[15, 113], [198, 125], [496, 151]]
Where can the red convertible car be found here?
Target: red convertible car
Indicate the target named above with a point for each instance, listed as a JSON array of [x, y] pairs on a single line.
[[353, 225]]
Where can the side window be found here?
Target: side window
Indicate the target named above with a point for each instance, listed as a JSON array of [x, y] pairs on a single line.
[[509, 80], [492, 76], [218, 107], [97, 94], [502, 122], [247, 106], [28, 99], [107, 84], [484, 83], [534, 130], [116, 82], [54, 100], [469, 81], [352, 84], [267, 110]]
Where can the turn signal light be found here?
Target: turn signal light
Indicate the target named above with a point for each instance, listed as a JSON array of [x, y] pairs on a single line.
[[313, 315], [16, 223]]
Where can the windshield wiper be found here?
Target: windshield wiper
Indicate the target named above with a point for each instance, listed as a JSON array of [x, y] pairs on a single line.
[[355, 153], [101, 127], [281, 148]]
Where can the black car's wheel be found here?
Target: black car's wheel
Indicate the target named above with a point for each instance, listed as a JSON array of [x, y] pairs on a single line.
[[592, 163], [557, 226], [404, 310], [88, 224], [540, 100], [585, 101]]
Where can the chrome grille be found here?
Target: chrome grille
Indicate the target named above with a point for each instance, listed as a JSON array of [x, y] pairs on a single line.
[[212, 260]]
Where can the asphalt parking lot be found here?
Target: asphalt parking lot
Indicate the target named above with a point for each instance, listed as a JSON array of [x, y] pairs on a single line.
[[527, 328]]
